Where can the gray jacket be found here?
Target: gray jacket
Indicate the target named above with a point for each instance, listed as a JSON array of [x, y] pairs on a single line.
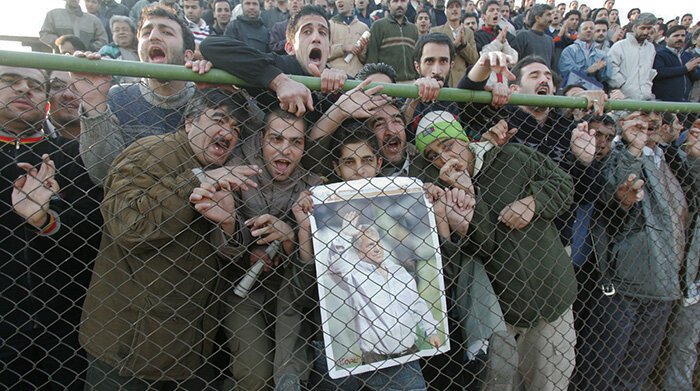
[[645, 257]]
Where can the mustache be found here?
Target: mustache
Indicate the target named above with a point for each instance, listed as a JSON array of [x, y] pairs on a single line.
[[391, 140]]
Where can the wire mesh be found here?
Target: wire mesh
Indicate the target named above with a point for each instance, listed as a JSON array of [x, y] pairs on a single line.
[[552, 258]]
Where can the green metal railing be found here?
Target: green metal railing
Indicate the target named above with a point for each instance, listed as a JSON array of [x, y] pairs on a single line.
[[215, 76]]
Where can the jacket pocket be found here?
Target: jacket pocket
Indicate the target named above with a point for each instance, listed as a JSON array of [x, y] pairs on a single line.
[[167, 340], [631, 258]]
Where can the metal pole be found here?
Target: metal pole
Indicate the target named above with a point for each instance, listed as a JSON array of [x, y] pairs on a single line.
[[215, 76]]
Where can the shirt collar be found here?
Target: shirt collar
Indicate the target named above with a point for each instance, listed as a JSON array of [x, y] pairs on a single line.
[[7, 137], [202, 24], [393, 20]]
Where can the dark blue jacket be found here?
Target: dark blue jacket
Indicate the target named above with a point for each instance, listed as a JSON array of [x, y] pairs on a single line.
[[673, 81]]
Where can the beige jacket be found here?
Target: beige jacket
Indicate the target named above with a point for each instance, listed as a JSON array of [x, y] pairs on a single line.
[[466, 56], [341, 35]]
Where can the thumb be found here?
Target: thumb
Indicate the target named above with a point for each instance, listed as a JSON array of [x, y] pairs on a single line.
[[309, 101], [508, 74], [313, 70]]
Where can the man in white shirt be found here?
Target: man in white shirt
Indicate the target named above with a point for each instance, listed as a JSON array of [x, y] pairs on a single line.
[[383, 295], [632, 60], [193, 17]]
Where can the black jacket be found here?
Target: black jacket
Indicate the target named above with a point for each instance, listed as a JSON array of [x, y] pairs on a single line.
[[251, 31], [552, 138], [258, 70], [43, 278]]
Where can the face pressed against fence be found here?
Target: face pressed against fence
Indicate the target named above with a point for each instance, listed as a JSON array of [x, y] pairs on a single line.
[[179, 229]]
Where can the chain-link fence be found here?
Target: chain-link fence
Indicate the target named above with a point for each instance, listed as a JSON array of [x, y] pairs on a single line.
[[202, 238]]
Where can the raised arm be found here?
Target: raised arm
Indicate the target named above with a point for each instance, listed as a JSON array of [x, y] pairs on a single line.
[[339, 264], [146, 205]]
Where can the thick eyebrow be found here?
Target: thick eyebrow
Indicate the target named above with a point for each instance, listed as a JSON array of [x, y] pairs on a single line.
[[311, 24], [17, 75], [159, 26]]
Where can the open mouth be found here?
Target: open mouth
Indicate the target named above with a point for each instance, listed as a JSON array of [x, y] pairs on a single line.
[[281, 166], [542, 90], [221, 145], [72, 104], [315, 56], [393, 144], [156, 54]]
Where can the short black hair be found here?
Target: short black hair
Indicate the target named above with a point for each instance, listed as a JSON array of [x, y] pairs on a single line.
[[668, 118], [572, 12], [374, 68], [531, 59], [570, 87], [74, 40], [422, 11], [673, 29], [470, 15], [211, 98], [487, 4], [350, 132], [437, 38], [629, 13], [306, 10], [603, 21], [277, 112], [158, 10], [604, 119]]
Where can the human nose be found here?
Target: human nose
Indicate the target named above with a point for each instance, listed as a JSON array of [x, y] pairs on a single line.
[[154, 35], [286, 148], [444, 156], [22, 86], [361, 170]]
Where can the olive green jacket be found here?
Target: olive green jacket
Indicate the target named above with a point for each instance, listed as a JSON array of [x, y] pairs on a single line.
[[531, 273], [152, 307]]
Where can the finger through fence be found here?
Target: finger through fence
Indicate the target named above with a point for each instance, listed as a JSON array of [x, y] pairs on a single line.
[[164, 234]]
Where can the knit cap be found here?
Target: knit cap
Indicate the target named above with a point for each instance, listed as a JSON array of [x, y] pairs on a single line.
[[437, 125]]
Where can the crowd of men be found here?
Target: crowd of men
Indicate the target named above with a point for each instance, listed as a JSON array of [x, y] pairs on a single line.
[[571, 238]]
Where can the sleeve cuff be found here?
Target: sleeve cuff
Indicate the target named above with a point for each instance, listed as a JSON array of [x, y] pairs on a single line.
[[53, 224], [187, 181], [268, 75]]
